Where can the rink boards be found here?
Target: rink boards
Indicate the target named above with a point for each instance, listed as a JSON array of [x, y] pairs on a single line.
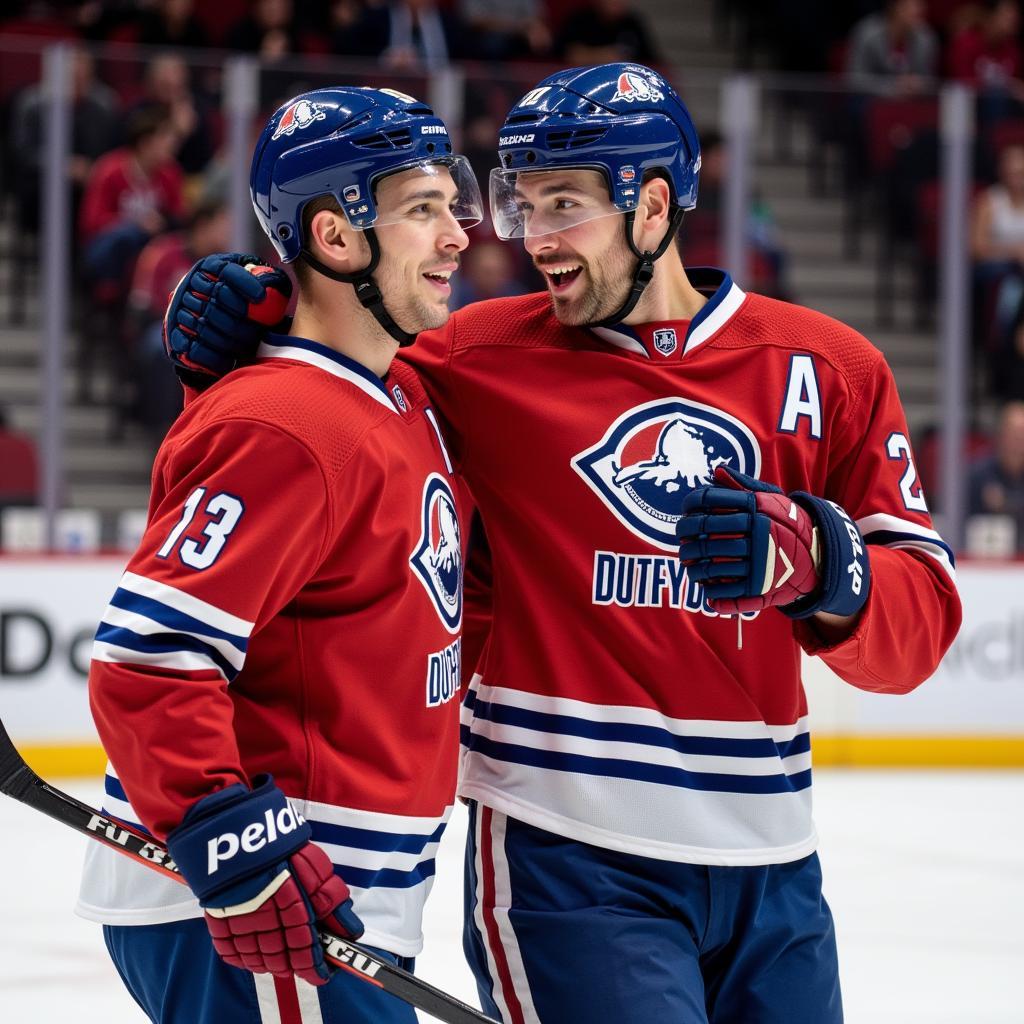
[[970, 713]]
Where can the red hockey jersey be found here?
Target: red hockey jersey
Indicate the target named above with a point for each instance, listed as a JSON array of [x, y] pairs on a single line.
[[612, 704], [294, 608]]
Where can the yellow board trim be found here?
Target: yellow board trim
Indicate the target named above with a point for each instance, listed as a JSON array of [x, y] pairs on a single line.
[[828, 751], [52, 762], [860, 751]]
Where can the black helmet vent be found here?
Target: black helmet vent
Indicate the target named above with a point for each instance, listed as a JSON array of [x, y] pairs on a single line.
[[520, 118], [397, 138], [575, 139]]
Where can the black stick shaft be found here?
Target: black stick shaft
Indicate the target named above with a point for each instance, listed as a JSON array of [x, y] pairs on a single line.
[[17, 780]]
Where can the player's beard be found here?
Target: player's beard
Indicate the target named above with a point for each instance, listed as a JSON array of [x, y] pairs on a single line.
[[605, 283]]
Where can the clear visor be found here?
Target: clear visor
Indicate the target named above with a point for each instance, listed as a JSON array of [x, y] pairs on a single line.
[[526, 204], [426, 191]]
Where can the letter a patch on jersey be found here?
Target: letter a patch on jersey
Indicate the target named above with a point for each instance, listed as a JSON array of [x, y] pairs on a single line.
[[653, 455]]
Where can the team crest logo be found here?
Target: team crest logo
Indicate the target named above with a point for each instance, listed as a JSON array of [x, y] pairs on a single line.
[[299, 115], [632, 86], [665, 340], [437, 559], [652, 456]]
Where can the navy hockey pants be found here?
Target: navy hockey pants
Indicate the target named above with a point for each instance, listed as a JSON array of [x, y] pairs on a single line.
[[560, 932], [174, 974]]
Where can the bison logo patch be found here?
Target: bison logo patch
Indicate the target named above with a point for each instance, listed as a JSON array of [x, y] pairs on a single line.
[[653, 455]]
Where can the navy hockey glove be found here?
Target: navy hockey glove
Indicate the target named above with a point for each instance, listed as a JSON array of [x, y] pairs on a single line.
[[263, 884], [220, 312], [753, 546]]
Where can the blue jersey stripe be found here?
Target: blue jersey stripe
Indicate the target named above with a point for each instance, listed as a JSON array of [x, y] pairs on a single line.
[[385, 878], [884, 537], [648, 735], [666, 775], [369, 839], [163, 643], [112, 787], [172, 618]]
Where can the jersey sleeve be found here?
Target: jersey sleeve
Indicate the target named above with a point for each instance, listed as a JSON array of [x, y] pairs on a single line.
[[431, 357], [913, 610], [239, 521]]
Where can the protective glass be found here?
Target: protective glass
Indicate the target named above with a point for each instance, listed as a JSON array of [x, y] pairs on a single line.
[[425, 190], [527, 204]]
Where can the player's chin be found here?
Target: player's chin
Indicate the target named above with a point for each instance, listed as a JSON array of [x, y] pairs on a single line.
[[433, 316]]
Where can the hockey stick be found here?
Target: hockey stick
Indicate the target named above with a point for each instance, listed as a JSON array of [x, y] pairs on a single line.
[[17, 780]]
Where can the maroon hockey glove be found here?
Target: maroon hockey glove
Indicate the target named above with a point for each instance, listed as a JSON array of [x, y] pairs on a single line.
[[748, 543], [264, 886], [219, 313], [754, 547]]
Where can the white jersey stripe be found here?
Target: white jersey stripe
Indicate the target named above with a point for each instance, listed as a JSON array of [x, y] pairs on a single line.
[[266, 999], [609, 749], [139, 623], [187, 604], [181, 661], [332, 367], [309, 1002], [479, 837], [502, 905], [909, 535], [729, 304], [625, 715]]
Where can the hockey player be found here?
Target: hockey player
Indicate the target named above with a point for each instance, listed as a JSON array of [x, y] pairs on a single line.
[[274, 679], [653, 451]]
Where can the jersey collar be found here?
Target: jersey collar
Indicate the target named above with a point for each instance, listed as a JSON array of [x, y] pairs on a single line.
[[662, 340], [287, 346]]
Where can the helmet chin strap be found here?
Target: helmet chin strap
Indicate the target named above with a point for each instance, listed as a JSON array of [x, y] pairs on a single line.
[[365, 287], [645, 268]]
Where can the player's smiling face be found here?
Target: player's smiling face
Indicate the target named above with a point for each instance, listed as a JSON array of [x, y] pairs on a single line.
[[587, 265], [420, 242]]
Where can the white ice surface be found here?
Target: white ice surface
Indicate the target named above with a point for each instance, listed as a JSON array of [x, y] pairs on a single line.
[[924, 873]]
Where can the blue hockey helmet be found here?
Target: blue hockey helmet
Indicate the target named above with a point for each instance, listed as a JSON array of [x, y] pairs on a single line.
[[339, 142], [620, 119]]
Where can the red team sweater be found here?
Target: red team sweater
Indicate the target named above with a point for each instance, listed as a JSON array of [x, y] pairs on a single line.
[[294, 608], [611, 704]]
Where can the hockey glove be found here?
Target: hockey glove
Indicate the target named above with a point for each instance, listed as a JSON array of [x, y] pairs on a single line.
[[219, 313], [263, 884], [752, 546]]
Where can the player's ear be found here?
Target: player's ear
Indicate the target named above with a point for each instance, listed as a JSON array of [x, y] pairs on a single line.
[[653, 211], [336, 243]]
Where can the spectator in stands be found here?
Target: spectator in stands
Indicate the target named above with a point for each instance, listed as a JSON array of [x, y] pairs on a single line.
[[700, 236], [158, 269], [167, 85], [893, 52], [996, 483], [172, 23], [604, 31], [267, 30], [997, 247], [94, 130], [133, 193], [408, 35], [989, 58], [507, 29], [19, 468], [488, 271]]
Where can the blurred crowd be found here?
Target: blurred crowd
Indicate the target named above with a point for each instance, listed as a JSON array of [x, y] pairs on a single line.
[[149, 174]]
